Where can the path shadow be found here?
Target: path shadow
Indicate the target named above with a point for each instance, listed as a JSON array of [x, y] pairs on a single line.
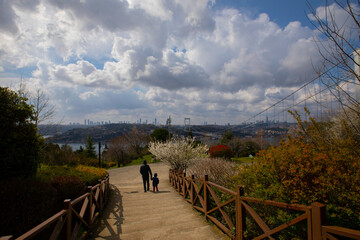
[[160, 192], [113, 210]]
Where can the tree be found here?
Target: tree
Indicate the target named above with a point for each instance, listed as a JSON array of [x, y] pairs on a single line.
[[250, 148], [43, 109], [90, 148], [237, 146], [119, 150], [338, 44], [226, 137], [136, 139], [160, 134], [19, 144], [178, 154]]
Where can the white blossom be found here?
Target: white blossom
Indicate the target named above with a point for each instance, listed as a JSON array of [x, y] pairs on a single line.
[[178, 154]]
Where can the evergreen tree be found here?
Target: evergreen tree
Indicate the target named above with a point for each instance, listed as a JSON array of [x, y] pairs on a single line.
[[90, 148], [19, 143], [226, 137], [160, 134]]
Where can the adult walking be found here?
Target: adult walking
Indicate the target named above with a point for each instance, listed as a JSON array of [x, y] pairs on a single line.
[[146, 173]]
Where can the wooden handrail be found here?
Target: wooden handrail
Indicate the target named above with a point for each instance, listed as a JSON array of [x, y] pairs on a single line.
[[31, 233], [224, 189], [79, 199], [91, 205], [199, 197], [350, 233], [298, 207]]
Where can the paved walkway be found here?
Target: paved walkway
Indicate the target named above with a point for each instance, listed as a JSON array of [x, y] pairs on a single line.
[[133, 214]]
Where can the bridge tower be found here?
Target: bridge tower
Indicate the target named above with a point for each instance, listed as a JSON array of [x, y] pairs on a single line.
[[187, 126]]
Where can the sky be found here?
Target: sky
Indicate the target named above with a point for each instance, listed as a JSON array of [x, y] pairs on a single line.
[[121, 60]]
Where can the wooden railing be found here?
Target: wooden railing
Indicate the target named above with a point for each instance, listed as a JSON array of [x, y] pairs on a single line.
[[76, 216], [203, 195]]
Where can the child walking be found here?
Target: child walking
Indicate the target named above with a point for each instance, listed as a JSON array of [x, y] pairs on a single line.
[[155, 182]]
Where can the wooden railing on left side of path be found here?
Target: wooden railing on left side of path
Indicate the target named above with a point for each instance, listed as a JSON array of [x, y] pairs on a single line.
[[76, 216], [204, 197]]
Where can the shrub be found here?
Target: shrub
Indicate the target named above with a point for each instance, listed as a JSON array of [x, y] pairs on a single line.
[[313, 166], [93, 162], [25, 203], [218, 170], [250, 148], [109, 164], [89, 175], [220, 151], [68, 187]]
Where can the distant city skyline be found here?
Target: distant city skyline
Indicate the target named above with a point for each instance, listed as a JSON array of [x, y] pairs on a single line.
[[125, 60]]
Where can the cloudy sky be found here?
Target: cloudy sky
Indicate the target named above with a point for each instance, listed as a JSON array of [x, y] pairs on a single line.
[[122, 60]]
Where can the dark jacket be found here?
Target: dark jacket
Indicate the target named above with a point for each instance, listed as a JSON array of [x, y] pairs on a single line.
[[145, 170], [155, 180]]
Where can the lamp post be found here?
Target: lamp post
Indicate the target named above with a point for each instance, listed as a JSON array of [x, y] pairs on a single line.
[[105, 148]]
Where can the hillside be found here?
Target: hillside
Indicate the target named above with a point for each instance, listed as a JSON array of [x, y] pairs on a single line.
[[78, 134]]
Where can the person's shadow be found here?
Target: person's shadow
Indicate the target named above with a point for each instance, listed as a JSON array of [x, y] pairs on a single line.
[[113, 210]]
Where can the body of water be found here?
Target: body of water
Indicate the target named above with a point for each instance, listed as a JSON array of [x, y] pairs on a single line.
[[76, 146]]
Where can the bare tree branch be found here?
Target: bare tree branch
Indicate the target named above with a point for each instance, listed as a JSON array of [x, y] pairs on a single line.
[[338, 45]]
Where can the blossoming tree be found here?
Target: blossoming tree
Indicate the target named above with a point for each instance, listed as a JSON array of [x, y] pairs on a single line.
[[179, 154]]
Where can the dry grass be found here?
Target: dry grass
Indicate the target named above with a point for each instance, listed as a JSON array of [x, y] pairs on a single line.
[[219, 170]]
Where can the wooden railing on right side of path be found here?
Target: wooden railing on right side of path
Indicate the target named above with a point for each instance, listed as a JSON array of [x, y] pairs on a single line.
[[204, 197], [77, 216]]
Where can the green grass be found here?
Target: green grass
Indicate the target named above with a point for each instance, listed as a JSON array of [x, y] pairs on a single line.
[[243, 160], [140, 160]]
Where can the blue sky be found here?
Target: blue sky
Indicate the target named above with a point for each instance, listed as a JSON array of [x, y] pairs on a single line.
[[122, 60], [280, 11]]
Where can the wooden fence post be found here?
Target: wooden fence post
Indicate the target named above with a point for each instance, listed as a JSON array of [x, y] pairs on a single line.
[[107, 187], [184, 184], [100, 198], [67, 229], [192, 189], [170, 170], [240, 214], [177, 181], [206, 196], [89, 214], [318, 218]]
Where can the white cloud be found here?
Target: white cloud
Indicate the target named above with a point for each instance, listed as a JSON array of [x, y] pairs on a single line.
[[184, 57]]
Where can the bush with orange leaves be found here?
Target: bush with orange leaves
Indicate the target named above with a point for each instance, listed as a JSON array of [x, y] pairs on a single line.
[[313, 166]]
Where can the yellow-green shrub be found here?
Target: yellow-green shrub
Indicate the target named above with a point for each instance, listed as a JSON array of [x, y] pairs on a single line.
[[89, 175], [313, 166], [68, 187]]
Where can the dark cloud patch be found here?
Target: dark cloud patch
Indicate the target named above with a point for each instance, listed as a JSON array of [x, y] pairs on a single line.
[[7, 17], [61, 74], [173, 71], [163, 77], [109, 14], [27, 5]]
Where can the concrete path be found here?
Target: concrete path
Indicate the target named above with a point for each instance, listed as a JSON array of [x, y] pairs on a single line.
[[133, 214]]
